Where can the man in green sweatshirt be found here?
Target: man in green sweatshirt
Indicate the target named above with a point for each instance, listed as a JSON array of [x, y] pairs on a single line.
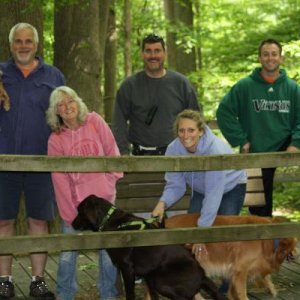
[[261, 113]]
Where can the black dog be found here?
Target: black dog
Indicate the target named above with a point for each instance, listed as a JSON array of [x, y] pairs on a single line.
[[167, 270]]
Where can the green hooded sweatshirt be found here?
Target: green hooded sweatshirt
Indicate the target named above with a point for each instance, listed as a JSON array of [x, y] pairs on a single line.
[[265, 114]]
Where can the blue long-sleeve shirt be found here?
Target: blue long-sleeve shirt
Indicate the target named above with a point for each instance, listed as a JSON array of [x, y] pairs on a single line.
[[212, 184], [23, 129]]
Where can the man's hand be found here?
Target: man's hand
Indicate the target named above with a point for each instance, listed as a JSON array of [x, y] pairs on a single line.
[[292, 148], [246, 148]]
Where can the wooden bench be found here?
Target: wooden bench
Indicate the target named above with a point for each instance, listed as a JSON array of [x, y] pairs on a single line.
[[139, 192]]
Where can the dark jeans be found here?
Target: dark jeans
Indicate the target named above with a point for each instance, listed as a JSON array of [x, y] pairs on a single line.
[[268, 179], [231, 203]]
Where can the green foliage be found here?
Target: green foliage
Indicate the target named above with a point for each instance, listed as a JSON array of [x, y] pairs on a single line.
[[227, 33], [292, 59], [286, 195], [147, 17], [48, 10], [230, 34]]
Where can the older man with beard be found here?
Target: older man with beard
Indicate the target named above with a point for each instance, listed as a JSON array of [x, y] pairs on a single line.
[[23, 130]]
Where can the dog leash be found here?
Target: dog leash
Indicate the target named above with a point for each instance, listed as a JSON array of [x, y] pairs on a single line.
[[141, 224], [106, 218]]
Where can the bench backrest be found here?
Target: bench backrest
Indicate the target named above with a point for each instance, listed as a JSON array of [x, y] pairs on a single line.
[[139, 192]]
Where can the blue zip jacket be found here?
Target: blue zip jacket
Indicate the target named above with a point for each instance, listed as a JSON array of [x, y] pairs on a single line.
[[212, 184], [23, 129]]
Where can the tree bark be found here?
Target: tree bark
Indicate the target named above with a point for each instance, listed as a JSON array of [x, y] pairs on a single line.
[[110, 66], [185, 61], [179, 13], [171, 36], [77, 48], [19, 11], [127, 32], [104, 7]]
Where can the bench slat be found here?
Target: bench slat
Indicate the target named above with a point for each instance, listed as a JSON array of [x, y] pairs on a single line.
[[255, 185], [146, 204], [139, 192], [254, 199]]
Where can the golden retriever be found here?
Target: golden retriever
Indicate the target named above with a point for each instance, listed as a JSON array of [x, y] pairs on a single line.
[[239, 261]]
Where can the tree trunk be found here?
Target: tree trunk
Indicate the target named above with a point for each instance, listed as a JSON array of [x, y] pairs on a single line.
[[179, 13], [110, 66], [77, 48], [171, 36], [185, 61], [19, 11], [104, 7], [127, 32]]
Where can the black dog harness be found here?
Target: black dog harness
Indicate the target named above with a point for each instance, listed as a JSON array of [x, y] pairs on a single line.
[[138, 224]]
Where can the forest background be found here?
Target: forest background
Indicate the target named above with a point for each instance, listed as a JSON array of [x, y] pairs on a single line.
[[96, 44]]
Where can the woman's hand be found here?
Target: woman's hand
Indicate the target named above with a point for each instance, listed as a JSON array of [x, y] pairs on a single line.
[[159, 210], [200, 252]]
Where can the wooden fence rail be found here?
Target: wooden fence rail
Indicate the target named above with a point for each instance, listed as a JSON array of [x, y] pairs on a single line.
[[58, 242], [148, 163], [113, 239]]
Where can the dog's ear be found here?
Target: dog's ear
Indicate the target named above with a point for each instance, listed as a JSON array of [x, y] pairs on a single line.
[[286, 246], [85, 217], [94, 209]]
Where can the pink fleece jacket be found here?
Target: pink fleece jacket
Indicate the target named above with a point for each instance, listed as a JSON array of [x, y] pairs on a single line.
[[93, 138]]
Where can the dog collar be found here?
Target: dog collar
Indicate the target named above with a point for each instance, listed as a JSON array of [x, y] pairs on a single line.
[[106, 218], [140, 224]]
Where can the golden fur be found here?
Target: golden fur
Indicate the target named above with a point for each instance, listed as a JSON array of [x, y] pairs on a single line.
[[242, 260], [3, 96]]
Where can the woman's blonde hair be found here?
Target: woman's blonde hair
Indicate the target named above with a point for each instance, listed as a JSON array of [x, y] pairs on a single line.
[[192, 115], [53, 119]]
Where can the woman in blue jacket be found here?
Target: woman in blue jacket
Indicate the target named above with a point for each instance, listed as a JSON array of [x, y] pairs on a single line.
[[221, 192]]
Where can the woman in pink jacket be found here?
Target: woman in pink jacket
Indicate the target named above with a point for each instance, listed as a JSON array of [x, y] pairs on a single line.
[[76, 132]]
